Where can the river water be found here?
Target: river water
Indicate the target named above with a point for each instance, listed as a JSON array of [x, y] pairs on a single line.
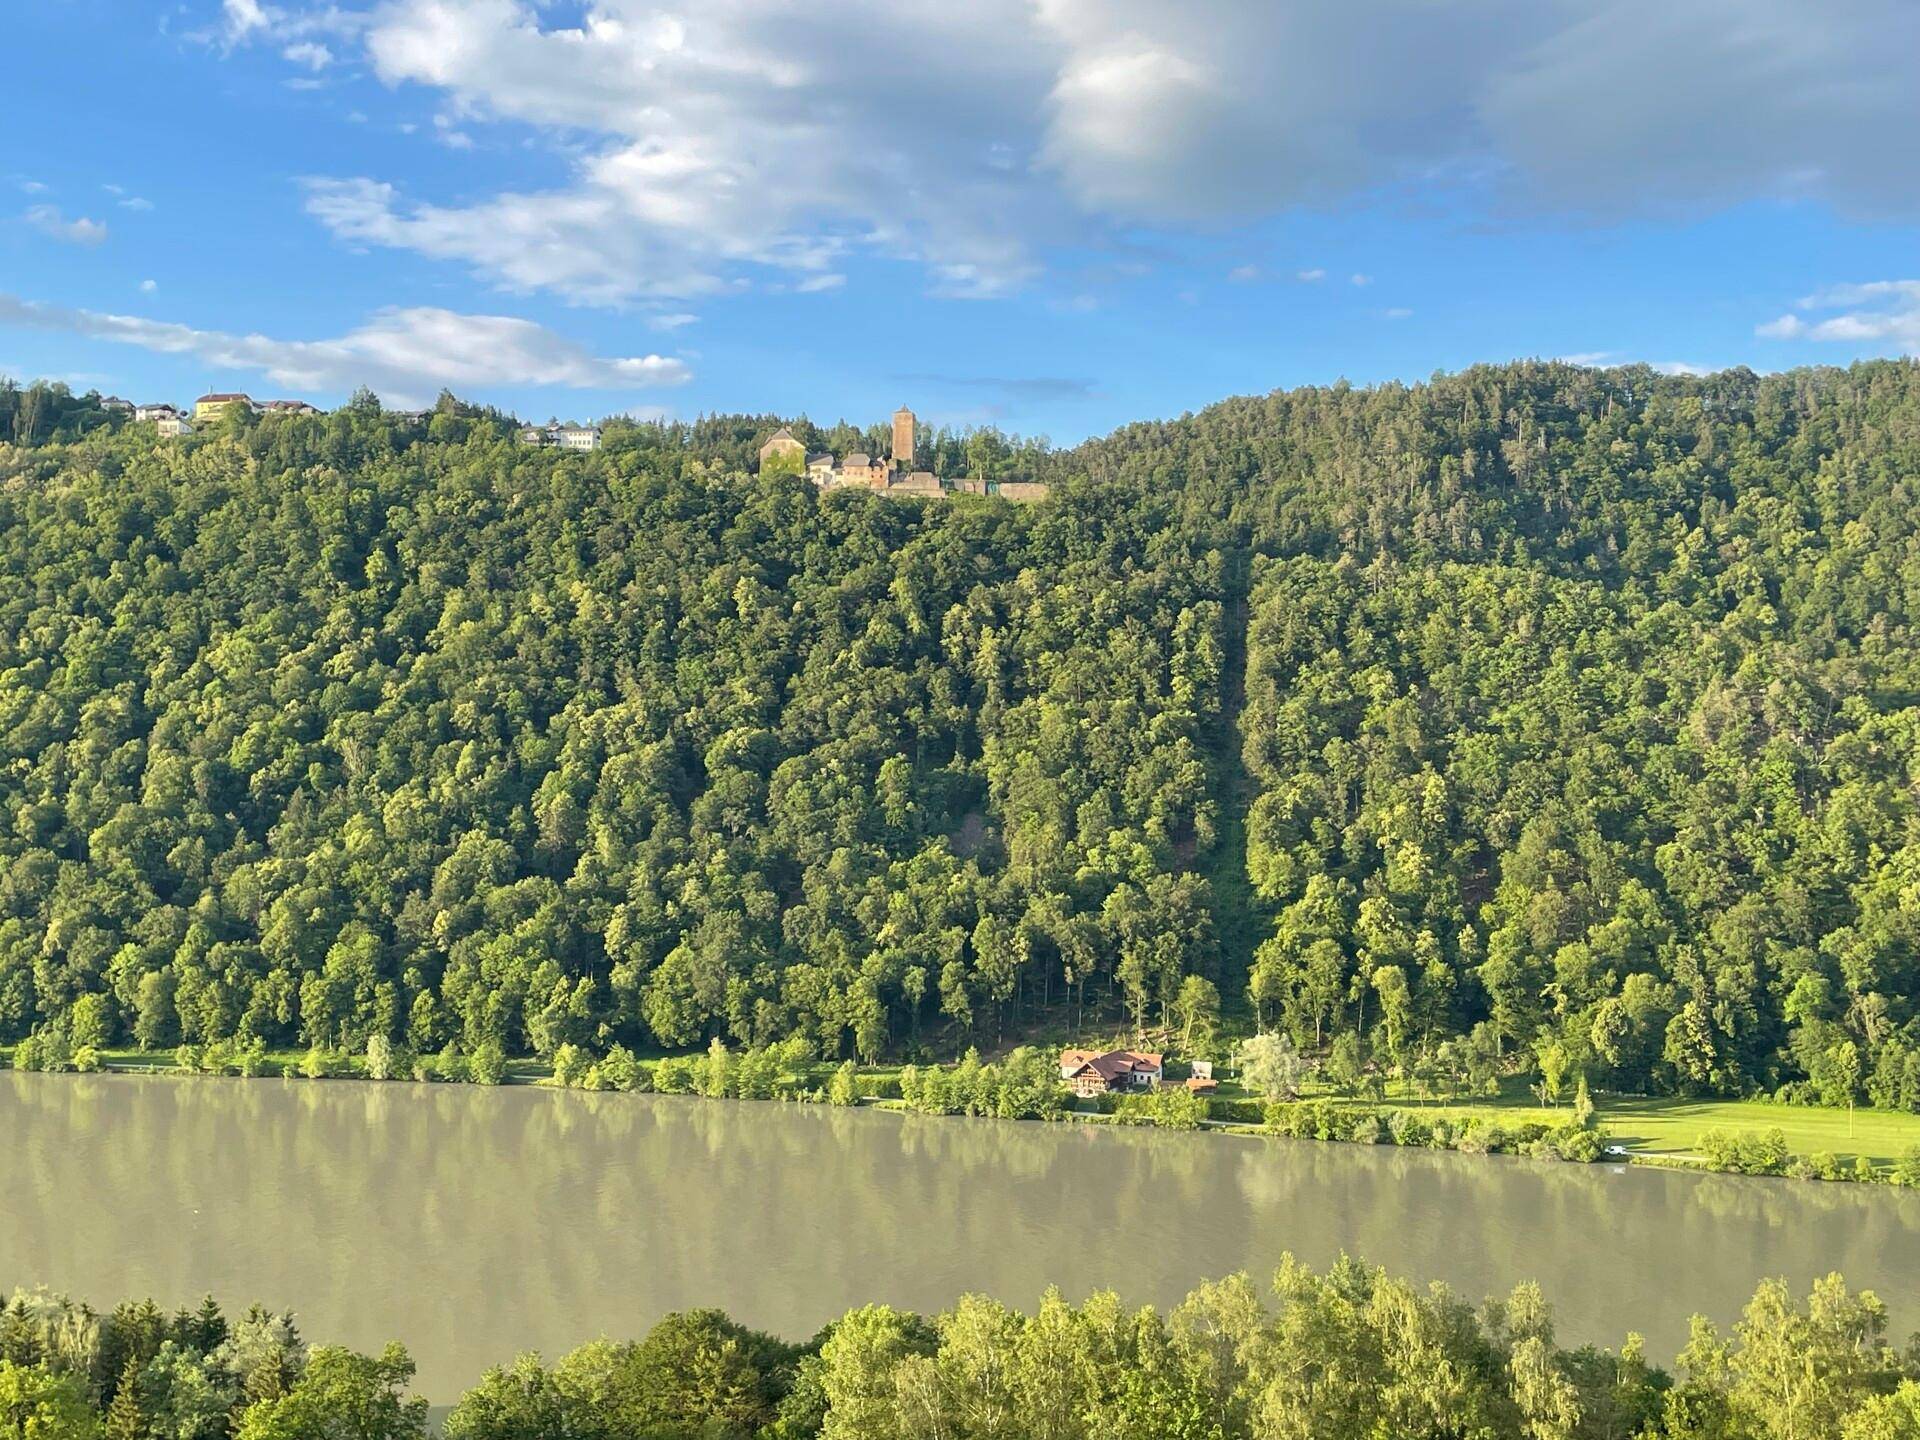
[[473, 1223]]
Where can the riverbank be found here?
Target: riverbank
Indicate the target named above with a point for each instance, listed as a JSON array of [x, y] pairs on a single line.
[[1724, 1136]]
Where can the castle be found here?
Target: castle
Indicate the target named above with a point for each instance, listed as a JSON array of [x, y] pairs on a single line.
[[893, 476]]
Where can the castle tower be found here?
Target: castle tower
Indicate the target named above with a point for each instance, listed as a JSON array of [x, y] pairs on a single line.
[[903, 438]]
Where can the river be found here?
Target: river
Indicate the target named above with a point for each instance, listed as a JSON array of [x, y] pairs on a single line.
[[473, 1223]]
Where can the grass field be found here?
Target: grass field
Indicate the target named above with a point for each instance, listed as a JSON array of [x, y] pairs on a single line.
[[1665, 1125]]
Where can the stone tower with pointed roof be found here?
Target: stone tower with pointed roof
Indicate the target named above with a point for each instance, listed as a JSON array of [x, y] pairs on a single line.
[[903, 438]]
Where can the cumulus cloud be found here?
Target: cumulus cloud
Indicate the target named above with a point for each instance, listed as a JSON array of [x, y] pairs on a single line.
[[49, 220], [310, 53], [1881, 313], [407, 354], [743, 135], [1310, 277]]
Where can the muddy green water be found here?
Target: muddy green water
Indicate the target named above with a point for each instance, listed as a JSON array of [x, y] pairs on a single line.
[[474, 1223]]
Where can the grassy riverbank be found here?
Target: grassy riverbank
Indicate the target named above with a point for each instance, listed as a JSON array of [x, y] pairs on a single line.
[[1652, 1129]]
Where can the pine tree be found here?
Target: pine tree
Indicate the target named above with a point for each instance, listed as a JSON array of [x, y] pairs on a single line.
[[124, 1420]]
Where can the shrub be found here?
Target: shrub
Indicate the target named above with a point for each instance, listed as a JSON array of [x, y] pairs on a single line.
[[620, 1071], [1744, 1152], [674, 1075], [570, 1065], [844, 1088], [715, 1070], [1169, 1108], [317, 1064], [1407, 1128], [880, 1087], [86, 1059], [250, 1058], [1578, 1143], [488, 1064], [1906, 1170], [755, 1074], [380, 1064], [1239, 1112], [1367, 1130], [32, 1053]]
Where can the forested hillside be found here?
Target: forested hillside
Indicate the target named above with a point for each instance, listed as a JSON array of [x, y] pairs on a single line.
[[311, 733], [1582, 721]]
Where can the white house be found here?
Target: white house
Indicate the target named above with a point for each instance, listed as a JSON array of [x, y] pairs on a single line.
[[576, 437]]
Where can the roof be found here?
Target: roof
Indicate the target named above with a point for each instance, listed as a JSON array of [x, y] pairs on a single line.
[[1109, 1065], [222, 399], [856, 459]]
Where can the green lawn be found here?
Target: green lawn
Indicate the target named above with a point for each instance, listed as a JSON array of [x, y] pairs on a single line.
[[1660, 1125]]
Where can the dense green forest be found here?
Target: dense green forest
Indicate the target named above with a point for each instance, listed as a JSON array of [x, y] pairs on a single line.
[[1350, 1353], [1566, 716]]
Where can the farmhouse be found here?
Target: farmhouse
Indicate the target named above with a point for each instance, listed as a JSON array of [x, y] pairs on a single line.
[[1094, 1072]]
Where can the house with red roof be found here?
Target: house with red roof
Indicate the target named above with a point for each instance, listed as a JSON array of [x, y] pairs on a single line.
[[1095, 1072]]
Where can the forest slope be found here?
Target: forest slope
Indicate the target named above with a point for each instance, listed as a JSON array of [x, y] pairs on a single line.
[[1580, 726]]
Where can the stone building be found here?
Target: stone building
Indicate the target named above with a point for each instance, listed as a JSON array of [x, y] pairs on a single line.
[[893, 475], [903, 438], [782, 443]]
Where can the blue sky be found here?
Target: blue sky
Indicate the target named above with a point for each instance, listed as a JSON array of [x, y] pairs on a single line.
[[1051, 215]]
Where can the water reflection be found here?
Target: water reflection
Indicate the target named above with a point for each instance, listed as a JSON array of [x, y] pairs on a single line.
[[475, 1222]]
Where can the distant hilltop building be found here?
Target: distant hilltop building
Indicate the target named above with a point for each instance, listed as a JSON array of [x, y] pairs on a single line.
[[209, 408], [216, 406], [561, 437], [893, 476]]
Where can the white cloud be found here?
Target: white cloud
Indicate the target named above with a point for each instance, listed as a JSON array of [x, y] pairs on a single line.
[[310, 53], [48, 220], [33, 187], [243, 17], [672, 322], [1310, 277], [137, 203], [405, 354], [1879, 314], [814, 284], [1358, 279], [744, 135], [1680, 367], [147, 287], [1396, 312], [1244, 274]]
